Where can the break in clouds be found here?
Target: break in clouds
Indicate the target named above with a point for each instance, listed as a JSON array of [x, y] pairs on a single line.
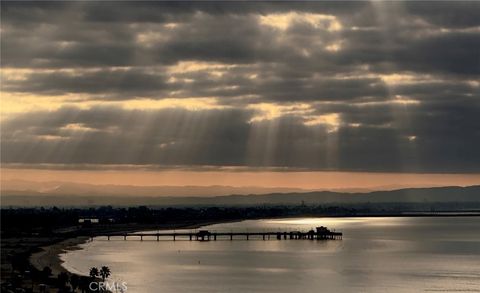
[[372, 86]]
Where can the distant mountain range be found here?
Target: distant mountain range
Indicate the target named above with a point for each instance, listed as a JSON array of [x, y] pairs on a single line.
[[25, 187], [131, 197]]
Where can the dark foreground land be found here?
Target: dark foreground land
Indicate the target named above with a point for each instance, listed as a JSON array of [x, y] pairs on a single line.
[[33, 239], [24, 231]]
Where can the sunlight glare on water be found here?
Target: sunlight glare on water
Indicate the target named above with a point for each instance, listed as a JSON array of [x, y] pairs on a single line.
[[398, 254]]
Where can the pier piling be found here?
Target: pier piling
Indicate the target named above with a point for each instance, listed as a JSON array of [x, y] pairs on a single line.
[[321, 233]]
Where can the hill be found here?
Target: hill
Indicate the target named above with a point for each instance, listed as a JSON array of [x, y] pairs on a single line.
[[449, 194]]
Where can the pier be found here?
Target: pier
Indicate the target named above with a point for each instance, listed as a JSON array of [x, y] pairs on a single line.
[[320, 233]]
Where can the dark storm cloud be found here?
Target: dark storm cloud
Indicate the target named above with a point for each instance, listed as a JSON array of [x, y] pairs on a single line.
[[325, 89], [104, 135], [111, 135], [271, 85], [440, 93], [446, 53], [120, 83], [163, 11], [447, 14], [220, 32], [389, 86], [228, 39], [453, 53]]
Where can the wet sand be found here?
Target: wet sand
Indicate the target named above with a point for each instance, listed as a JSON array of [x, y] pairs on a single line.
[[49, 255]]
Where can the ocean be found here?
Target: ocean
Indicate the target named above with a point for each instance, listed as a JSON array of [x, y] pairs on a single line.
[[377, 254]]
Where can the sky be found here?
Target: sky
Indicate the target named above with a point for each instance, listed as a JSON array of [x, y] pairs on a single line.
[[350, 88]]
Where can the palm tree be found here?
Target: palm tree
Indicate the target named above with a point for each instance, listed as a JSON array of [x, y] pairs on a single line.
[[93, 272], [105, 272]]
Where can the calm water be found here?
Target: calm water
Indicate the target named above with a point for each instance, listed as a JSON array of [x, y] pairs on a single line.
[[375, 255]]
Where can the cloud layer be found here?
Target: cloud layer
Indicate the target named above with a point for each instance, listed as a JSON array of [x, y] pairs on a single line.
[[369, 86]]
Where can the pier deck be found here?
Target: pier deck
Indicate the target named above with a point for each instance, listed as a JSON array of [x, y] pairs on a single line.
[[321, 233]]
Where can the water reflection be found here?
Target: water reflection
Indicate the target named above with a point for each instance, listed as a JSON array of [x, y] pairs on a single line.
[[376, 255]]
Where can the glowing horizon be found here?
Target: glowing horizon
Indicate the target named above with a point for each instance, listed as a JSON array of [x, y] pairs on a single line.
[[280, 179], [371, 86]]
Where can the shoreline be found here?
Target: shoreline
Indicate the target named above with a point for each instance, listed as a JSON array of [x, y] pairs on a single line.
[[49, 255]]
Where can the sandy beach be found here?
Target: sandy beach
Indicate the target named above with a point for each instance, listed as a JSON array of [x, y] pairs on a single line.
[[49, 255]]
